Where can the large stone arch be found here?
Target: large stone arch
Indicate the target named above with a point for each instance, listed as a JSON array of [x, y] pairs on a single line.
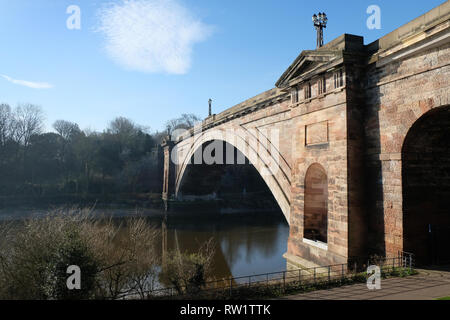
[[426, 187], [387, 230], [260, 154]]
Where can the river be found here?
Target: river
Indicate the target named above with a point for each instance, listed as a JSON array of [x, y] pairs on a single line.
[[246, 244]]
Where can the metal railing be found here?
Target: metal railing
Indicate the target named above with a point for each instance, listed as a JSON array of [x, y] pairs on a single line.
[[294, 278]]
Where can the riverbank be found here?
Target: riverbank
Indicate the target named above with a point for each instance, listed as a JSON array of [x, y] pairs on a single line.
[[101, 201], [150, 203]]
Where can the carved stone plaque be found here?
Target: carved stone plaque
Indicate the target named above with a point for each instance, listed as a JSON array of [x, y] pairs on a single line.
[[317, 133]]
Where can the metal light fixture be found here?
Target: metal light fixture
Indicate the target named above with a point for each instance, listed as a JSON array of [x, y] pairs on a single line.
[[320, 22], [210, 107]]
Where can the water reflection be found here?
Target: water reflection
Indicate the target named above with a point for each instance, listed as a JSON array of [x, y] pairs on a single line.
[[245, 244]]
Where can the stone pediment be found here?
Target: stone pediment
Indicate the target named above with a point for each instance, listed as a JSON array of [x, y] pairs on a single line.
[[307, 64]]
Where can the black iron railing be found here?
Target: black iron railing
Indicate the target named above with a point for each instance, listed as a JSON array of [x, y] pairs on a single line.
[[298, 277]]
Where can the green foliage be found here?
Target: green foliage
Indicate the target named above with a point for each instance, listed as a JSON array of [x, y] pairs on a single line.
[[122, 159]]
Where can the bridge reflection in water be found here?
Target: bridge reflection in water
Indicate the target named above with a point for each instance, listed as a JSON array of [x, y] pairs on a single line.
[[245, 243]]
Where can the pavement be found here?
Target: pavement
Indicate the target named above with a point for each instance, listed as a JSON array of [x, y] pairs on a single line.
[[429, 284]]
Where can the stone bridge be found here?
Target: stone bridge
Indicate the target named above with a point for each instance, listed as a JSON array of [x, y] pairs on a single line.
[[353, 143]]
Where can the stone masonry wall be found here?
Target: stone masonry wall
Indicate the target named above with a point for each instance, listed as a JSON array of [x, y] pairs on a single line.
[[398, 94], [331, 154]]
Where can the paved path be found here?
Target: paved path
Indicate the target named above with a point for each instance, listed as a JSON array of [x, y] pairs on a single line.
[[427, 285]]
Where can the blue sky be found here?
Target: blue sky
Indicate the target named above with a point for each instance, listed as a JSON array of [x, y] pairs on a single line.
[[151, 72]]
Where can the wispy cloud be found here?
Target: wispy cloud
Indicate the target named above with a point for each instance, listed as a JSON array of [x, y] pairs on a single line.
[[151, 35], [29, 84]]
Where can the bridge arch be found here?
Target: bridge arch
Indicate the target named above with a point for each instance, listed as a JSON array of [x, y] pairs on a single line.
[[426, 187], [260, 154]]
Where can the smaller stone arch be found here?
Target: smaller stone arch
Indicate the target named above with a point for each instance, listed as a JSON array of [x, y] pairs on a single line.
[[316, 204]]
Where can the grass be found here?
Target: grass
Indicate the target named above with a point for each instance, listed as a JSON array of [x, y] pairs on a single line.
[[444, 298]]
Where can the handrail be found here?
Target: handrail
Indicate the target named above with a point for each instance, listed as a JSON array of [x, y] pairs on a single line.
[[331, 272]]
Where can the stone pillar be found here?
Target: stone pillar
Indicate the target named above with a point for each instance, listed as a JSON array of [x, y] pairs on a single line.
[[169, 173]]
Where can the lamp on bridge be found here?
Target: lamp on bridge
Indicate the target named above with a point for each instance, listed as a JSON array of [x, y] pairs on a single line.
[[320, 22], [210, 107]]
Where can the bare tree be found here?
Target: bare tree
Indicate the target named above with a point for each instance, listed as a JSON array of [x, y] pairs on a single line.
[[28, 121], [66, 129], [5, 123], [189, 120], [186, 121], [123, 126]]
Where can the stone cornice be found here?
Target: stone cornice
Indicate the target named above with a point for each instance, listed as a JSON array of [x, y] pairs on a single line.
[[261, 101], [409, 33], [317, 59], [316, 71], [426, 40]]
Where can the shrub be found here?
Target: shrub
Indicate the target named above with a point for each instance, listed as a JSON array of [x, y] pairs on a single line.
[[188, 272], [114, 261]]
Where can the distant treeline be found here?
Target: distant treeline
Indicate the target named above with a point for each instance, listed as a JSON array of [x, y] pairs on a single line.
[[124, 158]]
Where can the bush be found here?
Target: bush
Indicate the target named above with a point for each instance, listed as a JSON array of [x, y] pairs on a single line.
[[73, 250], [114, 261], [188, 272]]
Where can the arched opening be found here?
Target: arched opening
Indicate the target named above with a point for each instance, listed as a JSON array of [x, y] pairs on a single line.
[[231, 180], [316, 204], [264, 158], [426, 188], [236, 207]]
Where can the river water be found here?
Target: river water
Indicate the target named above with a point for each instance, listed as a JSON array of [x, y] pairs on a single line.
[[246, 244]]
